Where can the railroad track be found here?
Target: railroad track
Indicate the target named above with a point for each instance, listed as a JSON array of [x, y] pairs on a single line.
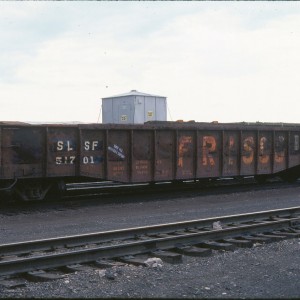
[[167, 241]]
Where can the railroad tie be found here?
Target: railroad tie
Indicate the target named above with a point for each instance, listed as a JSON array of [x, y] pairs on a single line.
[[137, 261], [193, 251], [217, 245], [294, 230], [257, 239], [167, 256], [272, 237], [75, 268], [162, 235], [40, 276], [105, 263], [239, 242], [286, 235], [12, 284]]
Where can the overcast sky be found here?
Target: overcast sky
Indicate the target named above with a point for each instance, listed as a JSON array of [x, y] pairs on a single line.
[[225, 61]]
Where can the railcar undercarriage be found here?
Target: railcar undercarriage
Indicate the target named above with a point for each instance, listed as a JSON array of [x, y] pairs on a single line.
[[47, 189]]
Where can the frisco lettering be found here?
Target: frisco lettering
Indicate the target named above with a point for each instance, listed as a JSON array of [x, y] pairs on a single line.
[[209, 150]]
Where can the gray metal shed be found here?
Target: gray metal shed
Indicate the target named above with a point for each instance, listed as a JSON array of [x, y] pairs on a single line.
[[134, 108]]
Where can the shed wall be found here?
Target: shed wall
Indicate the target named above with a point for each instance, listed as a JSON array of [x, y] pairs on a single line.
[[133, 109]]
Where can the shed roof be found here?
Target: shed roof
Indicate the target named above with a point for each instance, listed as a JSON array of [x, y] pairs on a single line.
[[134, 93]]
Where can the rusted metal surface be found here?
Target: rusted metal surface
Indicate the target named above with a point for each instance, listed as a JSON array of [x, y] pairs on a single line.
[[209, 149], [156, 151], [248, 152], [186, 152], [142, 155], [164, 154], [92, 153], [22, 152], [293, 157], [118, 158], [62, 146], [231, 155]]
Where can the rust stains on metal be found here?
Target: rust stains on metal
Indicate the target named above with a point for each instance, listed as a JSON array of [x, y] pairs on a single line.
[[156, 151]]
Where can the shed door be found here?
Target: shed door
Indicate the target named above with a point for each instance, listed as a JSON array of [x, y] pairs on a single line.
[[125, 114]]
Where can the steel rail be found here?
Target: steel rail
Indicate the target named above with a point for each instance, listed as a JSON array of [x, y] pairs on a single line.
[[139, 247], [151, 244], [130, 233]]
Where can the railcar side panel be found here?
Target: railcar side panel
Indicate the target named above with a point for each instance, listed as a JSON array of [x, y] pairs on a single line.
[[231, 157], [248, 152], [264, 157], [142, 155], [280, 151], [294, 149], [186, 154], [92, 153], [145, 154], [164, 155], [119, 155], [209, 151], [22, 152], [62, 148]]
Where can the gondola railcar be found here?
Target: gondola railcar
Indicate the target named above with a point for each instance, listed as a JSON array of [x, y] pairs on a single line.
[[38, 159]]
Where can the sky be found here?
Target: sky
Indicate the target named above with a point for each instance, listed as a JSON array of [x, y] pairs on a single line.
[[214, 61]]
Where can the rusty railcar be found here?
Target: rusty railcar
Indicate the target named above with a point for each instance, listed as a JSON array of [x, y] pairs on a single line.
[[37, 158]]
